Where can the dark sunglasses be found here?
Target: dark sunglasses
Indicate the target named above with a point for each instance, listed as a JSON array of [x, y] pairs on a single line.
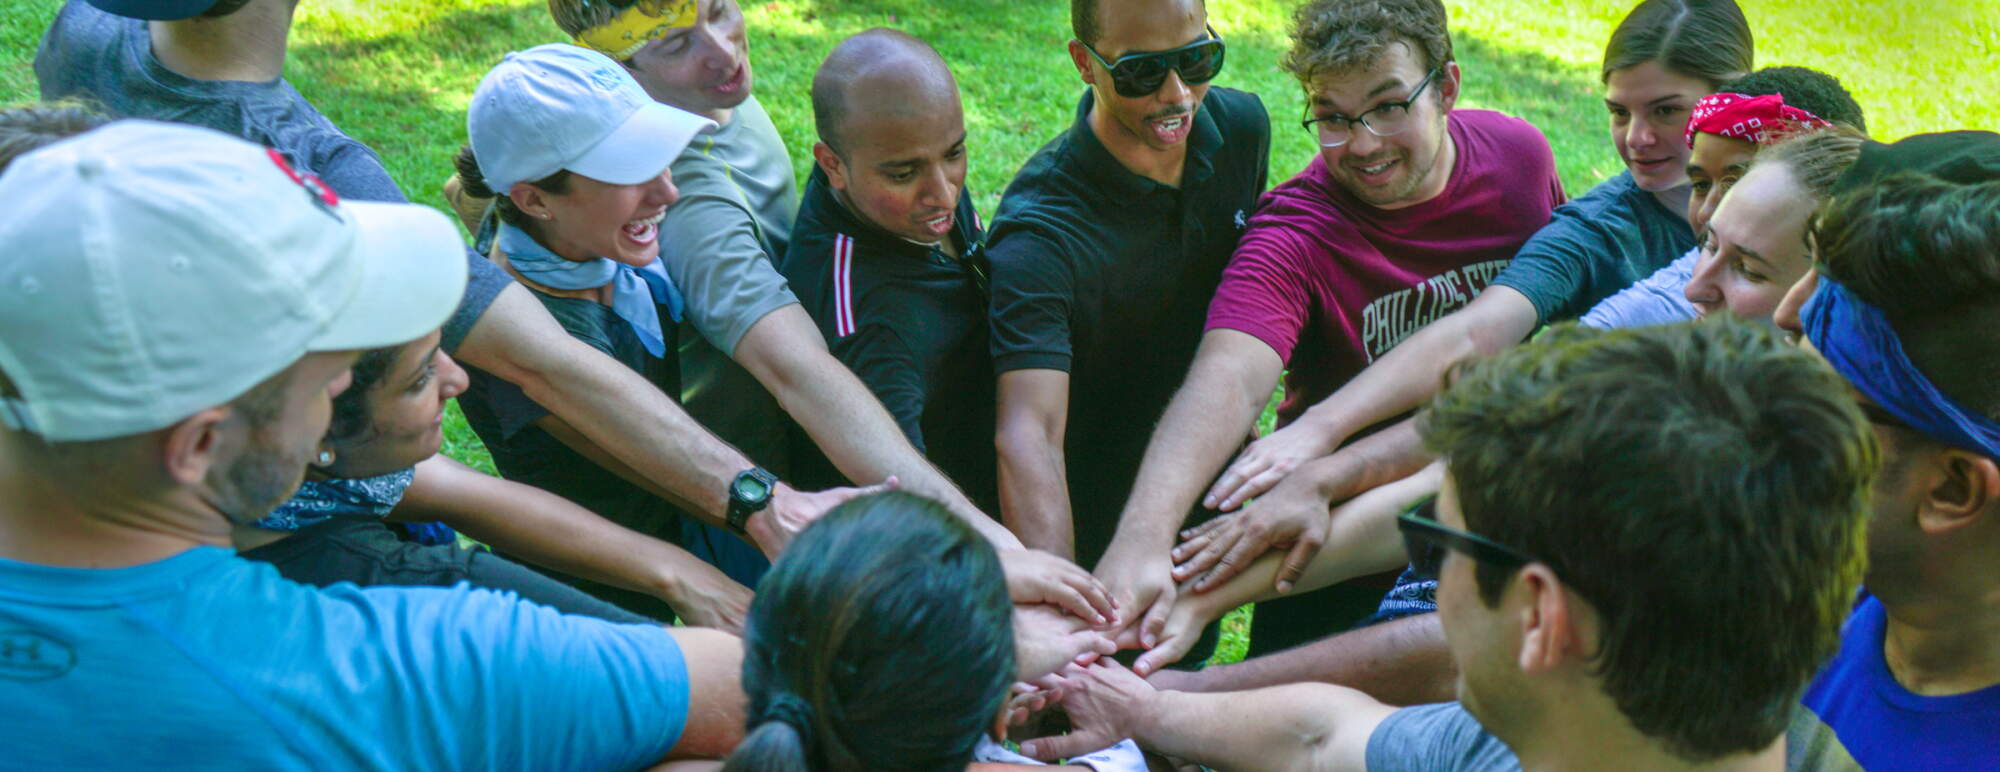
[[1427, 540], [1140, 74]]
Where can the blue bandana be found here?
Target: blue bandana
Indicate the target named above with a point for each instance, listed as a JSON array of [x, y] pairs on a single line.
[[1856, 339], [633, 299]]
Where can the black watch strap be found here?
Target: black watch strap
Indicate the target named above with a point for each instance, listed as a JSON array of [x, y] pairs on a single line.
[[749, 493]]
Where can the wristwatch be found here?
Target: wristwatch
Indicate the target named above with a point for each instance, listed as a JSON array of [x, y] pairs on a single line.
[[749, 493]]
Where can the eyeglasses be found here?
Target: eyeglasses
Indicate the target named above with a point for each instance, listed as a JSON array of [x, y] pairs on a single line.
[[1426, 540], [1140, 74], [1384, 120]]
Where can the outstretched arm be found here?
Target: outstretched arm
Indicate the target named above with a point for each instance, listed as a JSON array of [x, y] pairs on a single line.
[[1231, 380], [1034, 481], [1361, 540], [605, 401], [1297, 726], [1401, 380], [787, 354], [550, 531], [1400, 662]]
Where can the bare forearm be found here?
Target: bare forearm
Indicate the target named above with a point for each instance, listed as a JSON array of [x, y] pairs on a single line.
[[1034, 491], [1379, 459], [1399, 662], [1231, 379], [1295, 726], [1361, 540], [544, 529], [615, 407], [786, 354]]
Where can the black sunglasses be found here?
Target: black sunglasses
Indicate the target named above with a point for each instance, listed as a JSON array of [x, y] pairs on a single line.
[[1140, 74], [1426, 540]]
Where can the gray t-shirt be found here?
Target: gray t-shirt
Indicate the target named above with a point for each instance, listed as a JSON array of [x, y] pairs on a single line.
[[721, 242], [109, 60], [1445, 738]]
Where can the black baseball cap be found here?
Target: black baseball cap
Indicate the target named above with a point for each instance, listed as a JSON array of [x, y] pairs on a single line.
[[154, 10], [1963, 157]]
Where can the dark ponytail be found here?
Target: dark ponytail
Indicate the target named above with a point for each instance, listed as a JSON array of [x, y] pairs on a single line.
[[881, 640], [472, 182], [772, 746], [1706, 39]]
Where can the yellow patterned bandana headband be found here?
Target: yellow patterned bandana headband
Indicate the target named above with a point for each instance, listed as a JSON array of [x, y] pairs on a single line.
[[643, 22]]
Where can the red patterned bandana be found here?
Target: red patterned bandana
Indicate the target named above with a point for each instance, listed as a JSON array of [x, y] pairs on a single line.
[[1760, 119]]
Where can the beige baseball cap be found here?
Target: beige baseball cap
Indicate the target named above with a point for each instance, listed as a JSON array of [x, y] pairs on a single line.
[[159, 269]]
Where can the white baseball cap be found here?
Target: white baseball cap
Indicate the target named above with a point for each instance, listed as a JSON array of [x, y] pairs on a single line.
[[156, 270], [560, 106]]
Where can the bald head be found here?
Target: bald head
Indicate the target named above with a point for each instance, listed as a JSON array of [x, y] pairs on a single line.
[[882, 74]]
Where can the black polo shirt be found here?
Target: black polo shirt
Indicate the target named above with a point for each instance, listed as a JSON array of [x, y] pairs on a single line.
[[910, 320], [1107, 275]]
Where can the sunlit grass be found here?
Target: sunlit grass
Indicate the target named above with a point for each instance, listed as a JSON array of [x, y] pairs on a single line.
[[397, 74]]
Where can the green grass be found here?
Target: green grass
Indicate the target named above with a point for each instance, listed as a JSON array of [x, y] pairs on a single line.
[[397, 74]]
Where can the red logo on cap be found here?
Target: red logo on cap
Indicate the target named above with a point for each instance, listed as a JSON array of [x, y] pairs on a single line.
[[322, 195]]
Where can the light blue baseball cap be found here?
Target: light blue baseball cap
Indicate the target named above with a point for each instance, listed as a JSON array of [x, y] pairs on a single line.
[[560, 106]]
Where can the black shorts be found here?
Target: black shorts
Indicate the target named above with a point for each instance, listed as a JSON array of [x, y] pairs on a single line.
[[367, 553]]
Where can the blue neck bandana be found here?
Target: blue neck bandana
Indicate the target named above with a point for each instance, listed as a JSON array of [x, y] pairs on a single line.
[[633, 298], [1856, 339]]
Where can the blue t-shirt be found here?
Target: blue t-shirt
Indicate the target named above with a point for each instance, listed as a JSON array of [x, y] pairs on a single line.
[[1595, 246], [1886, 726], [204, 660]]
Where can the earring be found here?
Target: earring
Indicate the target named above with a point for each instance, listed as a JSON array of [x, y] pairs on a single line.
[[543, 215], [325, 458]]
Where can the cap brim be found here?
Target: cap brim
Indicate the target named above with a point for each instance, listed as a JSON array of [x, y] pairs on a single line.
[[642, 147], [412, 277]]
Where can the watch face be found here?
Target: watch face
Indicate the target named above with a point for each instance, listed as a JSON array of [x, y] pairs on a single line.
[[750, 489]]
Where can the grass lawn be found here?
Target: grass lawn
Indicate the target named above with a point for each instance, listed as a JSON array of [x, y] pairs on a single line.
[[397, 74]]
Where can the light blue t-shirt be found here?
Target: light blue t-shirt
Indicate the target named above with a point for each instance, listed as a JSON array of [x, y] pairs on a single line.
[[207, 661], [1657, 299]]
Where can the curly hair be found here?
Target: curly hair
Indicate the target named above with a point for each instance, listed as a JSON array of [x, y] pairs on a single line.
[[1804, 88], [1698, 485], [1341, 36]]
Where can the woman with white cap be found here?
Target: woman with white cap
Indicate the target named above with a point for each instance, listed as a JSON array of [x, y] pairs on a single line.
[[578, 154]]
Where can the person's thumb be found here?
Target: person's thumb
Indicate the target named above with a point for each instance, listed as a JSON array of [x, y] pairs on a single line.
[[1062, 746]]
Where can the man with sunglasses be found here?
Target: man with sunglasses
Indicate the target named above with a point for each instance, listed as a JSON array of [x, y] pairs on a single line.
[[1903, 305], [1646, 542], [1409, 210], [1104, 252]]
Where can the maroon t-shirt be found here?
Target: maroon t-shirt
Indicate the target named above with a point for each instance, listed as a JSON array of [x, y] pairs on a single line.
[[1331, 283]]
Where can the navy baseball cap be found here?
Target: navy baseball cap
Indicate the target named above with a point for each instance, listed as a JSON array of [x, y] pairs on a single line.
[[154, 10]]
